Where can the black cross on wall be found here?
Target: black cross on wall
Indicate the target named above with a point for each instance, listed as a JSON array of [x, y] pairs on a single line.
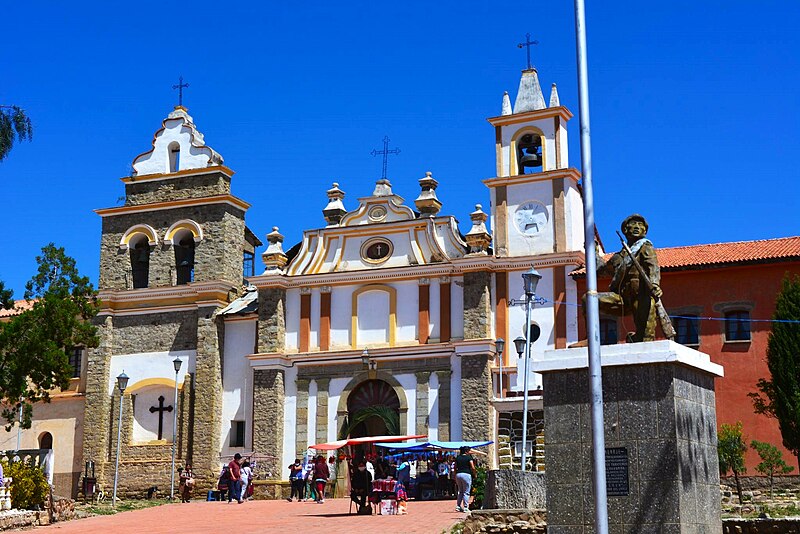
[[161, 409]]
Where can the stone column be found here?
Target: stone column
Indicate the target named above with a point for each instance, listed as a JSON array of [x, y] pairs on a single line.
[[476, 397], [301, 432], [423, 390], [444, 404], [96, 430], [269, 397], [271, 319], [208, 403], [477, 305], [322, 409]]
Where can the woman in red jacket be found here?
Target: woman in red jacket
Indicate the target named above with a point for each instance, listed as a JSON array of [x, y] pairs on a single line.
[[321, 475]]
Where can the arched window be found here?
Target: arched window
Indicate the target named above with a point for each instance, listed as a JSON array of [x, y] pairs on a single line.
[[184, 257], [174, 157], [46, 440], [140, 261], [529, 153]]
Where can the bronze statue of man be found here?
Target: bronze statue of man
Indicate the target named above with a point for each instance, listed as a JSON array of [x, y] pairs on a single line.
[[628, 294]]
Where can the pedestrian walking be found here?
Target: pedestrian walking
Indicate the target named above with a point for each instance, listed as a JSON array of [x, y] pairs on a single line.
[[186, 483], [465, 471], [321, 475], [247, 480], [235, 479], [297, 481]]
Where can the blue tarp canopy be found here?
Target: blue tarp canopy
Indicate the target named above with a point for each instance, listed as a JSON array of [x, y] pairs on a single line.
[[434, 445]]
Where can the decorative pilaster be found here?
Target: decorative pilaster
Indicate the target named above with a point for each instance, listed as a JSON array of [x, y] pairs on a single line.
[[477, 305], [423, 391], [444, 309], [301, 419], [271, 319], [325, 318], [322, 409], [305, 319], [424, 315], [444, 404], [269, 397], [208, 405]]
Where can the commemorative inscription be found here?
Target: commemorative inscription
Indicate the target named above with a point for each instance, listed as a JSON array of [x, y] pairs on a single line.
[[617, 472]]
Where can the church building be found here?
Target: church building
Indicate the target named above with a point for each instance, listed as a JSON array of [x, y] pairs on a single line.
[[381, 320]]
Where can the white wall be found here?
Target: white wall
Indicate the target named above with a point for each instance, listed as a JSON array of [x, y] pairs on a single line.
[[237, 382], [289, 421], [455, 399], [409, 383], [145, 365]]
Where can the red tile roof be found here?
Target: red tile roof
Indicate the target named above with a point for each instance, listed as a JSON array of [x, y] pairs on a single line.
[[721, 254], [19, 307]]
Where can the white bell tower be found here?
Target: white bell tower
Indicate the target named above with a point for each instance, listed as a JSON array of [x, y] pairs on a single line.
[[536, 204]]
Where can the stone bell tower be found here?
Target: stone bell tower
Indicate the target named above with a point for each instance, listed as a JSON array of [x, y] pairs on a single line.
[[171, 256], [536, 203]]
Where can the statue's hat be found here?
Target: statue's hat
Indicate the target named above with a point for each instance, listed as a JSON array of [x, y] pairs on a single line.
[[634, 217]]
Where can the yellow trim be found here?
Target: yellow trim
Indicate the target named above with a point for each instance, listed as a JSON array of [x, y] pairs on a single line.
[[185, 224], [505, 120], [216, 199], [512, 156], [160, 176], [148, 382], [392, 312], [369, 242], [147, 231]]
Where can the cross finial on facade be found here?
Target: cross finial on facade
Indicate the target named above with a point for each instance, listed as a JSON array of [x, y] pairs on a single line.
[[528, 43], [180, 87], [385, 153]]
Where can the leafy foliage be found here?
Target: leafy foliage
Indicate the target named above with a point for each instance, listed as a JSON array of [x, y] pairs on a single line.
[[388, 415], [478, 489], [779, 397], [731, 446], [33, 344], [771, 461], [14, 124], [29, 488]]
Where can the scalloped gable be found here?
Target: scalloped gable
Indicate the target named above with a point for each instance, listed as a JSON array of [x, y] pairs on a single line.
[[177, 129], [382, 207]]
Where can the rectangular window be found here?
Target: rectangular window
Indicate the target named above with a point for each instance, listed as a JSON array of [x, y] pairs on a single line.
[[608, 332], [687, 330], [237, 433], [249, 263], [75, 357], [737, 326]]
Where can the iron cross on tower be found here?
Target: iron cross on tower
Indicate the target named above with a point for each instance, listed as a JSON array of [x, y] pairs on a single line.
[[161, 409], [180, 87], [385, 153], [528, 43]]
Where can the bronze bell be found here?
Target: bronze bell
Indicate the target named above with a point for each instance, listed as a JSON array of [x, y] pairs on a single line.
[[530, 152], [530, 159]]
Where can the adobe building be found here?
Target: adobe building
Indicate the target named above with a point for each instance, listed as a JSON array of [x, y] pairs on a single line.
[[721, 297]]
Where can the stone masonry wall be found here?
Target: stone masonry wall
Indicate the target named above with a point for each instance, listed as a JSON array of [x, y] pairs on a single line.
[[155, 332], [207, 413], [98, 402], [268, 400], [217, 257], [178, 188], [477, 418], [271, 320], [477, 305]]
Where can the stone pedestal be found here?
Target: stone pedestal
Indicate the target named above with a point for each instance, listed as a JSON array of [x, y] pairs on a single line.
[[514, 489], [661, 439]]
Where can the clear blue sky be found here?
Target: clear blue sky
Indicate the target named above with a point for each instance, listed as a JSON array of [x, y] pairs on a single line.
[[694, 107]]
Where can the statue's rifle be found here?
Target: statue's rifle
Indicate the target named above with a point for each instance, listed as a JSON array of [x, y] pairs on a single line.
[[663, 318]]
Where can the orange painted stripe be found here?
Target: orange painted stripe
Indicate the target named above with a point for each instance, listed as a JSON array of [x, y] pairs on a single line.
[[501, 311], [305, 322], [444, 312], [324, 321], [424, 313], [560, 309]]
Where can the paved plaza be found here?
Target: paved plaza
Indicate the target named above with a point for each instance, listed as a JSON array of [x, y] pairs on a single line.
[[429, 517]]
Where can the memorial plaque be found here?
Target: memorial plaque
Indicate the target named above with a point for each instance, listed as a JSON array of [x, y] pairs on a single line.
[[617, 472]]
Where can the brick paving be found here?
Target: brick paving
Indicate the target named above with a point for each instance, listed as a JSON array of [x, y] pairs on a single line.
[[429, 517]]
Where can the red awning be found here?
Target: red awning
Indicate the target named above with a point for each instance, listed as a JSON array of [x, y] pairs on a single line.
[[361, 441]]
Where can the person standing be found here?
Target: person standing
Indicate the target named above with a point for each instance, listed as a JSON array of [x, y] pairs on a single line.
[[321, 475], [465, 471], [247, 479], [235, 478], [186, 482], [404, 472], [296, 480]]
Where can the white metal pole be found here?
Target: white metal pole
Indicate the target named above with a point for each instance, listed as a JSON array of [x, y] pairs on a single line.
[[116, 462], [501, 374], [528, 299], [19, 427], [174, 439], [592, 310]]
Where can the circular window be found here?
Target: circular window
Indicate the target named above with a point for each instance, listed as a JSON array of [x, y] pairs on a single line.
[[378, 213], [376, 251]]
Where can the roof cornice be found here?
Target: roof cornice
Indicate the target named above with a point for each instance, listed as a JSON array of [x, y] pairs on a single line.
[[569, 173], [186, 172], [172, 204], [504, 120]]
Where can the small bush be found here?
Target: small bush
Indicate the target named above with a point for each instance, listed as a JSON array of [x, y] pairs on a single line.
[[29, 489], [478, 489]]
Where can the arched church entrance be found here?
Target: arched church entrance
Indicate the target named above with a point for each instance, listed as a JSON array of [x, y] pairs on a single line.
[[373, 409]]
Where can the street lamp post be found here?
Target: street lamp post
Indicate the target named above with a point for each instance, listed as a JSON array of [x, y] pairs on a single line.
[[530, 280], [176, 363], [122, 383], [499, 348]]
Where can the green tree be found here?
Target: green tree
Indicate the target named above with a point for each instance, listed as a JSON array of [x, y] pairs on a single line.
[[33, 344], [14, 124], [779, 396], [771, 461], [731, 446]]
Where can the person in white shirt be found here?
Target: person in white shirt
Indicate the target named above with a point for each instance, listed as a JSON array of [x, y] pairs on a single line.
[[247, 476]]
